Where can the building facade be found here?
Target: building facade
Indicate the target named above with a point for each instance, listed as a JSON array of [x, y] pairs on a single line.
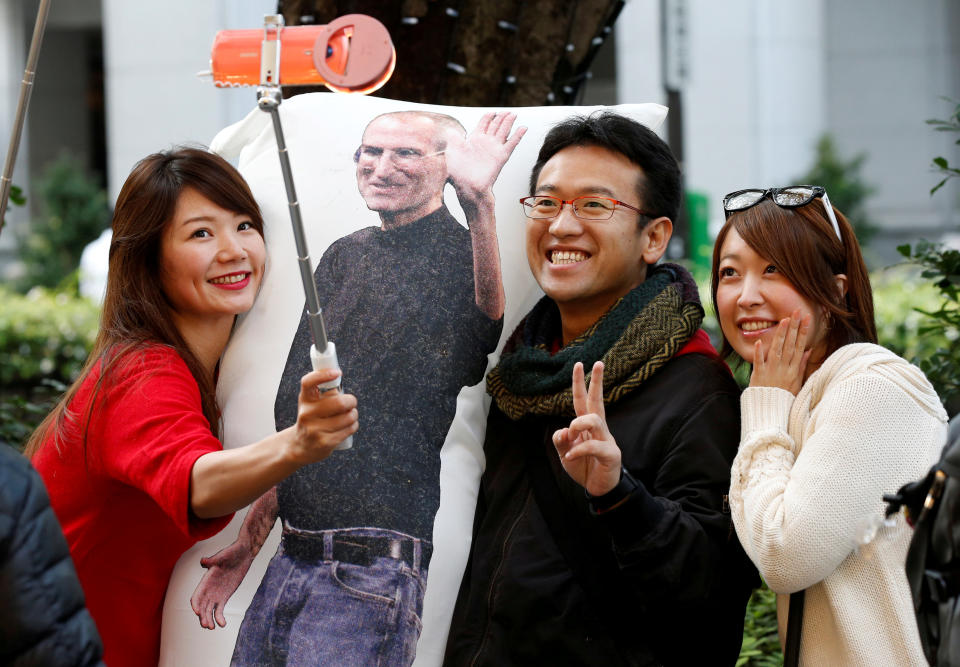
[[756, 82]]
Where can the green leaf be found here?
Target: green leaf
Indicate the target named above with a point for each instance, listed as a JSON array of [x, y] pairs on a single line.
[[71, 211], [904, 250], [941, 162], [16, 195]]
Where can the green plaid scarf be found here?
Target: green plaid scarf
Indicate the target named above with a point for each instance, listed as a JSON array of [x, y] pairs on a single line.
[[637, 336]]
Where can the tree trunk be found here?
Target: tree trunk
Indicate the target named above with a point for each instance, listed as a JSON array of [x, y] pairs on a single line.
[[479, 52]]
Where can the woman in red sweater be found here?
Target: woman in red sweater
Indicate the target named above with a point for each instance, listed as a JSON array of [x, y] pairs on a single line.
[[130, 455]]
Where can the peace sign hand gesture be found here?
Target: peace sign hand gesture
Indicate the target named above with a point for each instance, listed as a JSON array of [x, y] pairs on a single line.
[[587, 450]]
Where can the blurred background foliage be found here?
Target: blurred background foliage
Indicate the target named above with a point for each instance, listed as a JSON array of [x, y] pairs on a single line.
[[941, 165], [46, 330], [761, 643], [45, 336], [17, 198], [940, 266], [844, 183], [72, 211]]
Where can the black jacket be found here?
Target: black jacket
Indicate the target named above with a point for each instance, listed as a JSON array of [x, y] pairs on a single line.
[[660, 579], [43, 620]]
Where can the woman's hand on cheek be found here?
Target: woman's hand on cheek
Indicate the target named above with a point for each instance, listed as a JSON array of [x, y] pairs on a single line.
[[784, 364]]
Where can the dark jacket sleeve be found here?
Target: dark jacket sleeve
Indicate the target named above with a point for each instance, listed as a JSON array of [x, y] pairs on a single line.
[[671, 537], [43, 620]]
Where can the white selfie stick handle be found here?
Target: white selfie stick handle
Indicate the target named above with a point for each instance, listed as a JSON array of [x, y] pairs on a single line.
[[328, 359]]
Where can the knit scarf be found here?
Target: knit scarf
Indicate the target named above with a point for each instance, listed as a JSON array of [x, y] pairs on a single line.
[[638, 335]]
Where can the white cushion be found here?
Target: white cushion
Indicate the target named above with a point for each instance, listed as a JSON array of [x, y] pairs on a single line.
[[322, 132]]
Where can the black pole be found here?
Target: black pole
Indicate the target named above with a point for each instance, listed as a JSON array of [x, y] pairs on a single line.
[[671, 73], [26, 87]]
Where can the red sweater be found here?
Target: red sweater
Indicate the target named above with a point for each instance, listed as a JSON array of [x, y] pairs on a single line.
[[124, 504]]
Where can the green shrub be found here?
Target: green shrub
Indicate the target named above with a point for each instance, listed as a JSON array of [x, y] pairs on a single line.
[[898, 292], [44, 334], [941, 266], [940, 164], [940, 323], [16, 198], [21, 414], [761, 644], [45, 337], [73, 212]]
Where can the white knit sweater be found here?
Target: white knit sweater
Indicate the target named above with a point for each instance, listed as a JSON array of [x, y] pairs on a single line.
[[806, 496]]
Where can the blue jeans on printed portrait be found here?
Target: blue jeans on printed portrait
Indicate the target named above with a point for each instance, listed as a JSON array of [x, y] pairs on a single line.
[[336, 597]]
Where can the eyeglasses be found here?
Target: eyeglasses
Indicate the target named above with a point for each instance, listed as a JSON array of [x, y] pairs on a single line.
[[791, 196], [399, 157], [587, 207]]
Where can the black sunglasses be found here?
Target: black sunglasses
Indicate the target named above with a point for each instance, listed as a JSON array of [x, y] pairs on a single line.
[[791, 196]]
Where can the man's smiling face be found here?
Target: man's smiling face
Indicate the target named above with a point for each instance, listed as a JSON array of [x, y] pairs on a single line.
[[399, 173], [587, 265]]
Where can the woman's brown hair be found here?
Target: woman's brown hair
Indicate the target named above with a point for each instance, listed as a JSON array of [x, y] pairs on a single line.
[[136, 313], [803, 245]]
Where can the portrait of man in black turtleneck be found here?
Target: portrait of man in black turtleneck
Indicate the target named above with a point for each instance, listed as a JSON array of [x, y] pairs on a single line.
[[415, 304]]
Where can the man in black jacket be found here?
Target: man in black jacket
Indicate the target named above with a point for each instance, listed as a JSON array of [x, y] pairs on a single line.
[[602, 535]]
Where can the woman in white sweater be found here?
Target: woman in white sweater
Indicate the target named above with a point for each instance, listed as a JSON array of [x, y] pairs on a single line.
[[830, 422]]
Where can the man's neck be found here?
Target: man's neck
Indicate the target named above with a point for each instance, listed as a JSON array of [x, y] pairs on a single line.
[[574, 322], [578, 316], [401, 218]]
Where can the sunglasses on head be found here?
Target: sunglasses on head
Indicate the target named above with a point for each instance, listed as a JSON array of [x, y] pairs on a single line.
[[791, 196]]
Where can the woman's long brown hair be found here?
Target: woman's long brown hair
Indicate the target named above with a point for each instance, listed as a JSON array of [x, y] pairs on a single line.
[[136, 313]]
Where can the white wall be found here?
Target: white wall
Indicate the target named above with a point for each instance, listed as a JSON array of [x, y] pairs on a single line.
[[638, 53], [766, 79], [752, 117], [58, 107], [12, 62], [753, 106], [57, 103], [890, 62], [152, 52]]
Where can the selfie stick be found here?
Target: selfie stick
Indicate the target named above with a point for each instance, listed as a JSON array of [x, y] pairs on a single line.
[[26, 87], [335, 45]]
